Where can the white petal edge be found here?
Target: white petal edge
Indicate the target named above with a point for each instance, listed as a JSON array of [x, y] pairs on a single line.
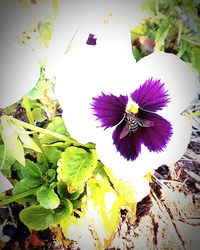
[[19, 71], [19, 64], [179, 77], [82, 18]]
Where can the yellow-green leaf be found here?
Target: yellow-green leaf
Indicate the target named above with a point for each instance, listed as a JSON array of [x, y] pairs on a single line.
[[130, 193], [103, 204], [11, 141], [76, 166], [28, 142], [161, 35]]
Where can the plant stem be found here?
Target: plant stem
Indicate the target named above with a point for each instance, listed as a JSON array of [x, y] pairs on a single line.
[[35, 135], [17, 197], [41, 130], [190, 41], [192, 115], [157, 8], [180, 29], [69, 45], [28, 110], [53, 134], [4, 157]]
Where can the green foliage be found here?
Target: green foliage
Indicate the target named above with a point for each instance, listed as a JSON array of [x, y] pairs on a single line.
[[41, 98], [52, 154], [76, 166], [15, 139], [173, 26], [6, 161], [37, 217], [47, 197], [21, 187], [61, 189], [32, 174], [12, 144], [161, 35], [56, 125]]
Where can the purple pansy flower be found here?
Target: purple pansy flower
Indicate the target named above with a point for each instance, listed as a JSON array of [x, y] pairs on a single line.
[[91, 39], [135, 119]]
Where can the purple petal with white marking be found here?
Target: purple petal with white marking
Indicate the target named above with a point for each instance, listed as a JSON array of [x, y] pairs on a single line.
[[130, 145], [151, 95], [156, 137], [109, 109]]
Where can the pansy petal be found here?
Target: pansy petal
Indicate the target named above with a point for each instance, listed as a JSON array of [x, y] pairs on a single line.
[[109, 109], [151, 95], [180, 79], [91, 39], [156, 137], [130, 145]]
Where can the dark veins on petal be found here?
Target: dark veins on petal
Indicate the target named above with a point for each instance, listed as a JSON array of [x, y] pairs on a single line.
[[91, 40], [129, 146], [155, 138], [132, 130], [109, 109], [151, 95]]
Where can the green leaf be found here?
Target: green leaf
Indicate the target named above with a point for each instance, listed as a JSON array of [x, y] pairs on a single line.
[[62, 189], [161, 35], [76, 166], [50, 174], [6, 161], [28, 142], [11, 141], [37, 217], [38, 92], [63, 213], [195, 58], [52, 154], [47, 198], [21, 187], [182, 48], [16, 169], [57, 125], [150, 6], [33, 103], [137, 54], [76, 195], [38, 114], [45, 30], [32, 174], [100, 169]]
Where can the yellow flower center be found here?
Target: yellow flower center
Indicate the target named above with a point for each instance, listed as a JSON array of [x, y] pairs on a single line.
[[133, 107]]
